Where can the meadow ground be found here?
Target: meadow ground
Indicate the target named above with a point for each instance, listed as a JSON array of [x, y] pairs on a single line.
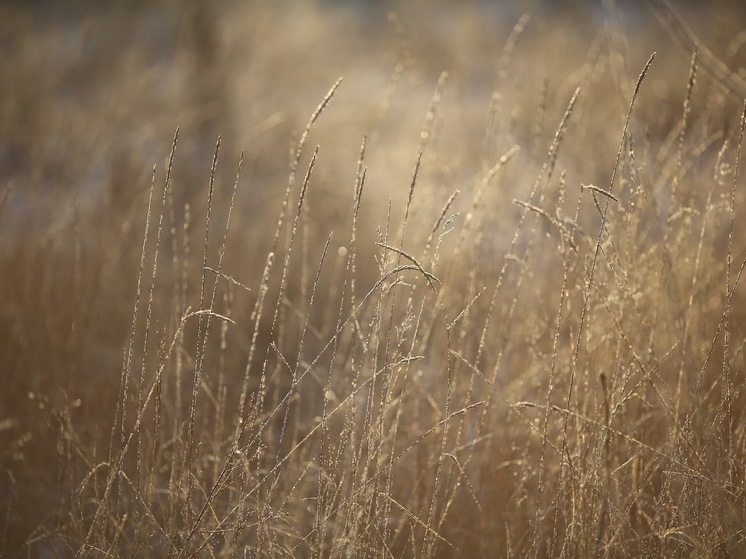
[[480, 298]]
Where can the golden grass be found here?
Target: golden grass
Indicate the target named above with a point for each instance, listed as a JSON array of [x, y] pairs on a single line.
[[479, 298]]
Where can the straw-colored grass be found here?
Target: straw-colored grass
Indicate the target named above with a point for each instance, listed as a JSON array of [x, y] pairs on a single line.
[[479, 297]]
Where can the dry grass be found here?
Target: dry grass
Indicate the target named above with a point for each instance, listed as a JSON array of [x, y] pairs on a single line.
[[480, 298]]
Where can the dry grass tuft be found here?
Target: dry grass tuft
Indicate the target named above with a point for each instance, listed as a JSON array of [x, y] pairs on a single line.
[[482, 297]]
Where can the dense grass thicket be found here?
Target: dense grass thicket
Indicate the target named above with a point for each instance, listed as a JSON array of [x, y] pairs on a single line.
[[328, 279]]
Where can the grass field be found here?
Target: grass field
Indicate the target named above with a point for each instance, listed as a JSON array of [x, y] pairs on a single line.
[[372, 279]]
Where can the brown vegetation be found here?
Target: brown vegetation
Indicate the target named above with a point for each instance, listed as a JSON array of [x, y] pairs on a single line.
[[480, 298]]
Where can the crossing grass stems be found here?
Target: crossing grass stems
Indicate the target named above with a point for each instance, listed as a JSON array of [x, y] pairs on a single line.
[[440, 373]]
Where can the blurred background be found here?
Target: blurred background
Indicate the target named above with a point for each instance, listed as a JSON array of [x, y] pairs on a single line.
[[91, 92]]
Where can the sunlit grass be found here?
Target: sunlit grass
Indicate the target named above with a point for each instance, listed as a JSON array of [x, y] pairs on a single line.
[[453, 304]]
